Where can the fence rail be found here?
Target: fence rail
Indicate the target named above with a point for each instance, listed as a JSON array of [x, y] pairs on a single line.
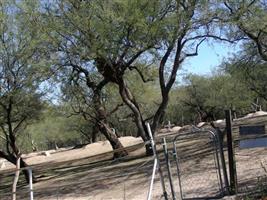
[[185, 166]]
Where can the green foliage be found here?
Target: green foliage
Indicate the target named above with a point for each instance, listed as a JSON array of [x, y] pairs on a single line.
[[205, 98], [22, 69], [54, 128], [248, 20], [252, 72]]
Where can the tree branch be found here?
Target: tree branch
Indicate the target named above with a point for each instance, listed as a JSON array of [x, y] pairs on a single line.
[[140, 74], [196, 49], [115, 109]]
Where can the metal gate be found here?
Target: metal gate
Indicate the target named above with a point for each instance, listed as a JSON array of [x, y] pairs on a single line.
[[198, 162]]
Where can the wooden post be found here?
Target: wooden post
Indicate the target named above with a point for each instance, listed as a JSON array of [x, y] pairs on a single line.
[[232, 168]]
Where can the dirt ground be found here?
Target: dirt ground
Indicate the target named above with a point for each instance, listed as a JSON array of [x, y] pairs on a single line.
[[90, 173]]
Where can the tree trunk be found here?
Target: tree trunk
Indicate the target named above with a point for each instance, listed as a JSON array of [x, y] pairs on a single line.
[[158, 117], [103, 126], [129, 100], [23, 164], [113, 140], [94, 133]]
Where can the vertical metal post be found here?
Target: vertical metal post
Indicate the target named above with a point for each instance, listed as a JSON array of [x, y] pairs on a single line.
[[216, 159], [168, 167], [232, 169], [220, 142], [30, 184], [158, 162], [152, 179], [124, 192], [175, 156]]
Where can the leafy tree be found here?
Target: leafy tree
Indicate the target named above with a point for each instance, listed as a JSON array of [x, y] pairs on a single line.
[[146, 94], [209, 96], [87, 99], [113, 37], [21, 58], [71, 28], [203, 98], [193, 23], [249, 17], [104, 37], [251, 71], [55, 129]]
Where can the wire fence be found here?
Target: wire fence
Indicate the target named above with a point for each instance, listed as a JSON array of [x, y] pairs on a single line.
[[195, 172], [122, 178], [82, 179]]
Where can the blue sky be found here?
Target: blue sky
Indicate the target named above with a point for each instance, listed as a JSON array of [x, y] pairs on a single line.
[[209, 56]]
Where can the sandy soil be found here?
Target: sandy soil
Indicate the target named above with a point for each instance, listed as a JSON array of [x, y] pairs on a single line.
[[72, 174], [68, 154], [129, 179]]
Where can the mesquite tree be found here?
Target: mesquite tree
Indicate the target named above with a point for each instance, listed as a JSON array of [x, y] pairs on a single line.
[[113, 37], [70, 29], [248, 18], [21, 72], [183, 27], [88, 100]]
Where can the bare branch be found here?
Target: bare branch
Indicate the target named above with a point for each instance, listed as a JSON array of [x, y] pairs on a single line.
[[196, 49], [101, 84], [213, 37], [115, 109], [134, 57], [228, 6], [140, 74], [19, 124], [257, 41]]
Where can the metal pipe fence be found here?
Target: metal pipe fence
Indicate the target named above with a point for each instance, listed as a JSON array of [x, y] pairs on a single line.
[[186, 165]]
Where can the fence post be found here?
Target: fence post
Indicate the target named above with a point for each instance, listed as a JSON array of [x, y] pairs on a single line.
[[232, 168], [165, 147], [225, 176], [30, 183], [152, 179], [157, 164], [16, 178]]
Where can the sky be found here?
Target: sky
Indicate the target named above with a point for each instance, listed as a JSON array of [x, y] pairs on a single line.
[[209, 56]]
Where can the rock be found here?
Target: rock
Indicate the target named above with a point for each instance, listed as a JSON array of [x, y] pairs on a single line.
[[46, 153], [258, 113], [186, 128], [176, 128], [200, 124], [219, 122], [163, 130], [2, 164]]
